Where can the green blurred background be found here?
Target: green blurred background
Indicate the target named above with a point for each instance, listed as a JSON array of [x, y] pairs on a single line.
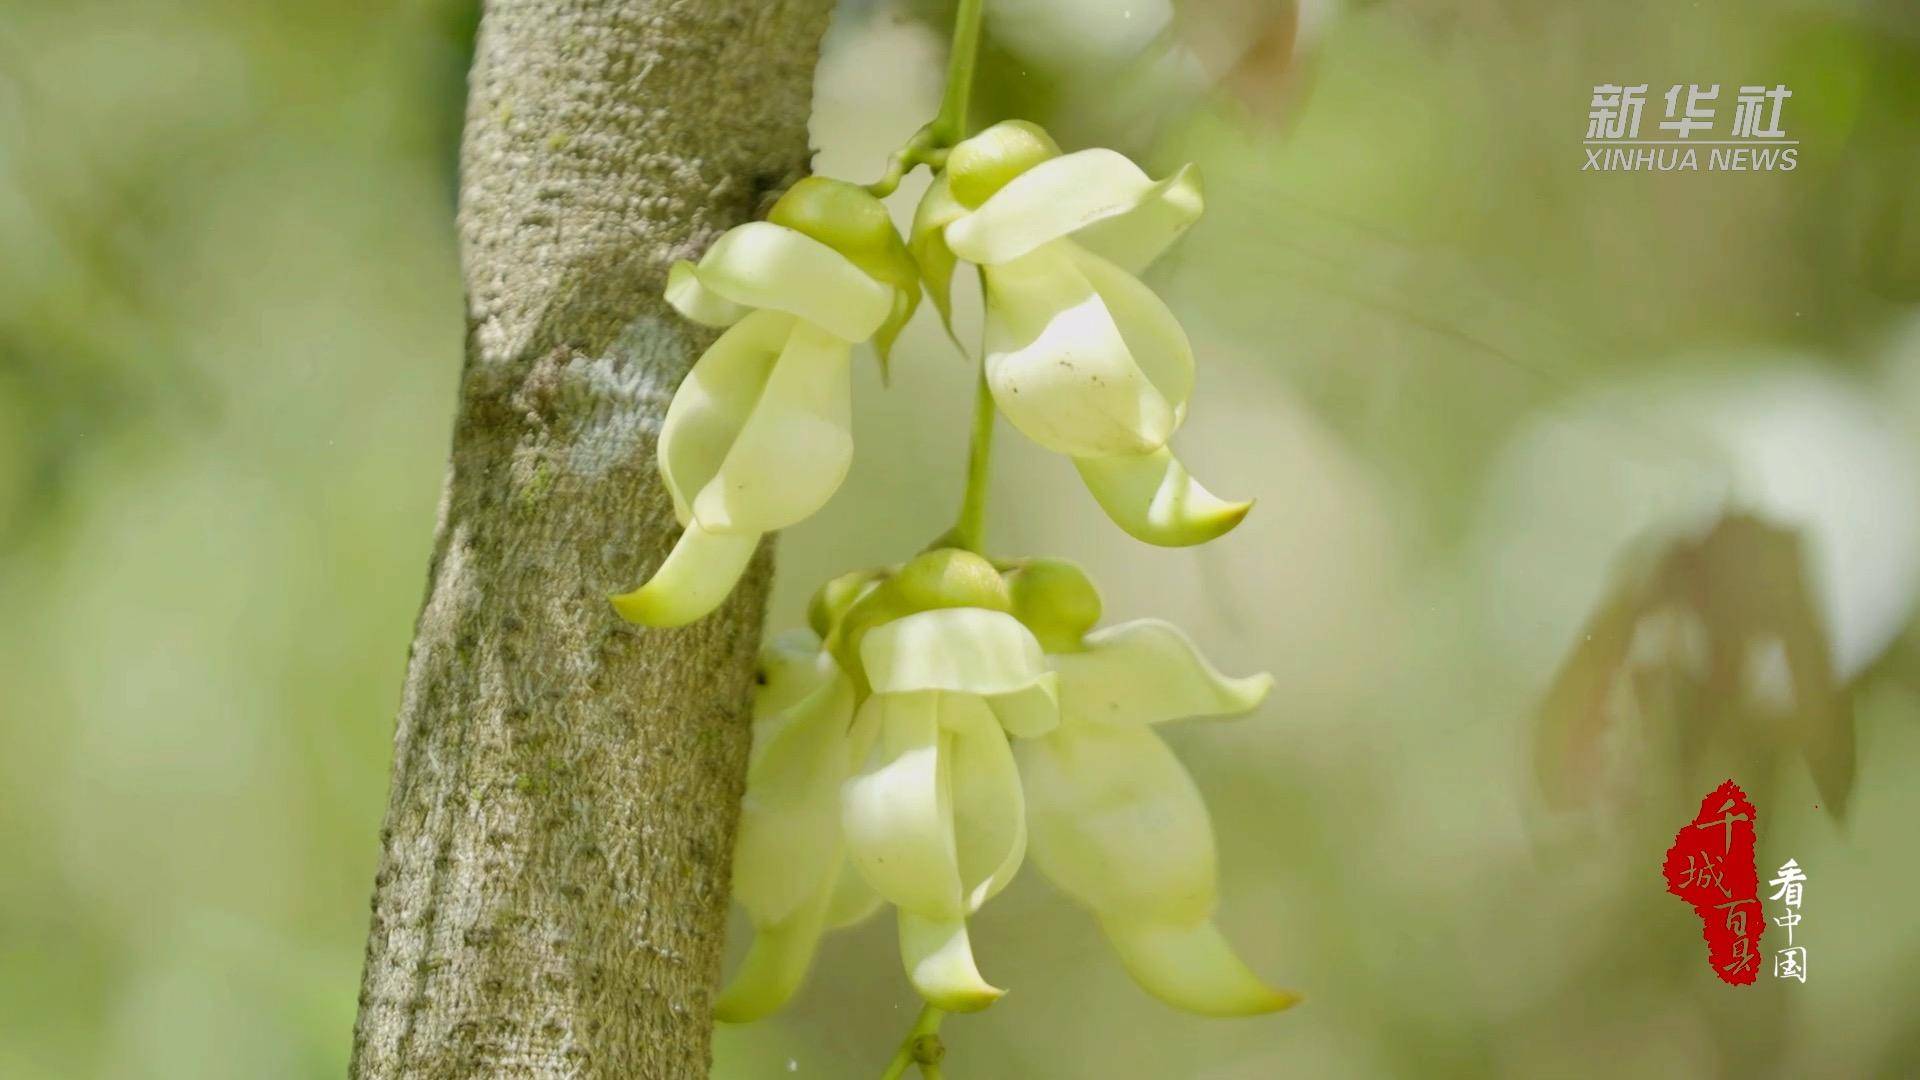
[[1467, 382]]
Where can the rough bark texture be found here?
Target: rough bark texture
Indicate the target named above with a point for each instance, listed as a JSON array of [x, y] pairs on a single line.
[[552, 889]]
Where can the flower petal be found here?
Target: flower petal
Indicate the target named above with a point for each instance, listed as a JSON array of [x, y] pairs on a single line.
[[853, 899], [1192, 967], [775, 965], [699, 573], [1061, 196], [1152, 334], [792, 665], [1029, 712], [1132, 241], [697, 302], [793, 450], [763, 265], [965, 650], [897, 812], [989, 812], [1155, 499], [714, 402], [1058, 364], [1117, 824], [928, 243], [1146, 672], [939, 960], [788, 847]]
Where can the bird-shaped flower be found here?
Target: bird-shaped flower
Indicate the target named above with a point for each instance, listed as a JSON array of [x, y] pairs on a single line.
[[1114, 819], [933, 818], [758, 436], [1080, 356], [991, 724]]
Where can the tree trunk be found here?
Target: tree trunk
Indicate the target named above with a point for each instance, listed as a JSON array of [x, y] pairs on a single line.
[[552, 889]]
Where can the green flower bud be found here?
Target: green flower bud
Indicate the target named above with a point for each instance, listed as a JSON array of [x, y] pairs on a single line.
[[831, 602], [951, 577], [984, 164], [1056, 600]]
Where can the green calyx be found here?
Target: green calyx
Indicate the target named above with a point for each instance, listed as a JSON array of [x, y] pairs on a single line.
[[984, 164], [1056, 600], [847, 218], [831, 602], [941, 578], [841, 215]]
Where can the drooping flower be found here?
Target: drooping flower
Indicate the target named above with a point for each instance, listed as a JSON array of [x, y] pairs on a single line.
[[934, 819], [1080, 356], [911, 795], [789, 868], [758, 437], [987, 715], [1114, 819]]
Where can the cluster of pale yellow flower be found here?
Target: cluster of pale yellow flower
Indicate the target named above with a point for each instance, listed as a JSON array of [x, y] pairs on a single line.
[[943, 719]]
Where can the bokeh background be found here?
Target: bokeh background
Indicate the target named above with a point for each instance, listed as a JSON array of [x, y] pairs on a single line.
[[1477, 392]]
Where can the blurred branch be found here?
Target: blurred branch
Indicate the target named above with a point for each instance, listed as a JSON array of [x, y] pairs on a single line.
[[552, 888]]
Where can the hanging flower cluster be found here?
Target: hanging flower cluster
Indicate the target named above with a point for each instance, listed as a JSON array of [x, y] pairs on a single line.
[[945, 719]]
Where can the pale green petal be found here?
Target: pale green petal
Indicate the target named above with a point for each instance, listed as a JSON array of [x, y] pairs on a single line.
[[1058, 364], [793, 450], [1146, 672], [928, 243], [1192, 967], [989, 812], [791, 666], [788, 846], [714, 402], [897, 811], [1030, 711], [966, 650], [939, 961], [699, 573], [1152, 334], [763, 265], [853, 899], [775, 965], [1115, 821], [1155, 499], [697, 302], [1133, 241], [1059, 197]]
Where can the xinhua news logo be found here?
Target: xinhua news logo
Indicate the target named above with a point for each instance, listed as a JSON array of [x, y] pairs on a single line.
[[1689, 139]]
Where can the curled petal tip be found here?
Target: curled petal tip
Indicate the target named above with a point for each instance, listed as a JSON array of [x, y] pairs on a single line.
[[1251, 690], [1155, 499], [939, 961], [1193, 968], [692, 299], [775, 966], [696, 578], [644, 608]]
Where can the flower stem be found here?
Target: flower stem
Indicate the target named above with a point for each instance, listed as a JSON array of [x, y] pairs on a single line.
[[929, 145], [921, 1046], [950, 126], [970, 530]]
